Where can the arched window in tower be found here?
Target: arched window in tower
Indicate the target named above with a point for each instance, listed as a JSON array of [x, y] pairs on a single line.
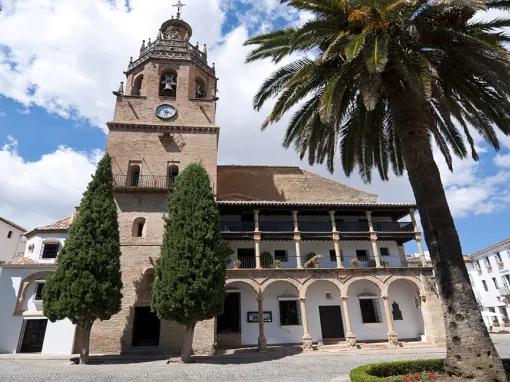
[[173, 172], [139, 227], [133, 178], [200, 88], [137, 86], [168, 84]]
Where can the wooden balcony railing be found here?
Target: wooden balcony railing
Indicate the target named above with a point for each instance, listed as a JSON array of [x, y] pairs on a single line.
[[316, 226], [393, 226]]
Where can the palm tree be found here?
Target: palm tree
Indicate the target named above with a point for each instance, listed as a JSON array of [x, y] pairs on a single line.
[[376, 81]]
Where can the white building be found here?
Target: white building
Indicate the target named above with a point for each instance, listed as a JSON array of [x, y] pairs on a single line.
[[23, 327], [489, 272], [11, 240]]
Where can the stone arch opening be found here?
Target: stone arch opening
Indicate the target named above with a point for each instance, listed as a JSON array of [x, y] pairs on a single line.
[[282, 298], [326, 319], [366, 308], [168, 84], [136, 90], [139, 227], [172, 174], [405, 304], [25, 285], [133, 176], [200, 88], [234, 326]]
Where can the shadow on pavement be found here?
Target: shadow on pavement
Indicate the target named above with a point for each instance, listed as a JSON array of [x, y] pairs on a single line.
[[230, 357]]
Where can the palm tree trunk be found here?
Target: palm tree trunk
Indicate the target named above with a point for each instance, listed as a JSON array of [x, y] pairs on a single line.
[[85, 329], [187, 343], [471, 354]]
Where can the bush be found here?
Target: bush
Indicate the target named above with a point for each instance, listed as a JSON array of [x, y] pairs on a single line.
[[379, 372]]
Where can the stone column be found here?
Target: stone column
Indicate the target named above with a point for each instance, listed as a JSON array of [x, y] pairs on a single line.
[[295, 220], [258, 238], [402, 255], [258, 264], [336, 240], [349, 336], [392, 335], [236, 260], [262, 337], [419, 241], [307, 339], [299, 261], [256, 214], [297, 240], [373, 239], [332, 217]]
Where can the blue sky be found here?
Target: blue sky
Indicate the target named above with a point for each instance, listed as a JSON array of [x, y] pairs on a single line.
[[55, 97]]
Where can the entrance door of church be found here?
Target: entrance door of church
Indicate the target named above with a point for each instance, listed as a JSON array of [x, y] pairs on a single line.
[[331, 322], [146, 327], [33, 336]]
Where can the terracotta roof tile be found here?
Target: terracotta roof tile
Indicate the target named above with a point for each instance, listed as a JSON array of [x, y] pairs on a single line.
[[20, 261], [284, 184], [58, 226]]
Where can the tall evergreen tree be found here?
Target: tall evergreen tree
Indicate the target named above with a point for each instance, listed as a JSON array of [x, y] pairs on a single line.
[[87, 284], [190, 274], [373, 83]]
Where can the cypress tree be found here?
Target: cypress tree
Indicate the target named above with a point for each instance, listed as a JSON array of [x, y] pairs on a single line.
[[190, 274], [87, 283]]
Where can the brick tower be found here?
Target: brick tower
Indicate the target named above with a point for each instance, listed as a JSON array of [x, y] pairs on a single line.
[[164, 120]]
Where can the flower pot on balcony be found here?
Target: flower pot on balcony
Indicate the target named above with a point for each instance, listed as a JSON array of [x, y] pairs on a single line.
[[312, 261], [355, 263], [277, 264]]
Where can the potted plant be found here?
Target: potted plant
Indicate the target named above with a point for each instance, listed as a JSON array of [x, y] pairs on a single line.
[[312, 261], [385, 264], [277, 264], [355, 263], [266, 259], [237, 264]]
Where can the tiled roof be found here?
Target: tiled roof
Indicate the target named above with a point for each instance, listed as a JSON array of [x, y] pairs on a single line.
[[270, 203], [20, 261], [502, 245], [12, 224], [59, 226], [271, 184]]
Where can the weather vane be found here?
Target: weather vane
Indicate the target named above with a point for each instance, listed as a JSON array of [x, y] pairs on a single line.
[[179, 5]]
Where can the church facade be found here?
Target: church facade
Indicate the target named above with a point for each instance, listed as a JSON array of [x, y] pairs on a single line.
[[315, 261]]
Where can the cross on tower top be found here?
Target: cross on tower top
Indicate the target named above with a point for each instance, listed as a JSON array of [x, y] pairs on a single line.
[[179, 5]]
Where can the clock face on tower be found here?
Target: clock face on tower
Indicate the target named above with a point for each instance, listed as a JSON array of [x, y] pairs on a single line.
[[166, 111]]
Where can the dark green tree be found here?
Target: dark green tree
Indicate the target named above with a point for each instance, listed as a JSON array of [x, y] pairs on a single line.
[[87, 283], [190, 274], [374, 82]]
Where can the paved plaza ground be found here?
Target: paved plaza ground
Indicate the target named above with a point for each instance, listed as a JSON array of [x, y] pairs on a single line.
[[277, 365]]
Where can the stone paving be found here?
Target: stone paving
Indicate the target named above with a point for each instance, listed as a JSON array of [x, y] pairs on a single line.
[[277, 365]]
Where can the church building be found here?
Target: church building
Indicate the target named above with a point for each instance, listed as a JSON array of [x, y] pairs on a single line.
[[315, 262]]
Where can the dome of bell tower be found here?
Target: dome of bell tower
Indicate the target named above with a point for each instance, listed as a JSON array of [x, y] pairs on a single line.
[[176, 30]]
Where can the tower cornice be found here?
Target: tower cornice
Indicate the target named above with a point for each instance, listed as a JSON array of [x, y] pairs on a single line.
[[126, 126]]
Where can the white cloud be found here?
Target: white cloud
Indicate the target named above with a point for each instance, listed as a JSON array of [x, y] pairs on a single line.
[[502, 160], [68, 55], [39, 192]]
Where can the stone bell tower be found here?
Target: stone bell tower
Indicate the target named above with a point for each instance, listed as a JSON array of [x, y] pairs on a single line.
[[164, 120], [165, 114]]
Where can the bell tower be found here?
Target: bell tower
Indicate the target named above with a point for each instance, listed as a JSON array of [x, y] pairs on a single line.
[[164, 120], [165, 112]]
